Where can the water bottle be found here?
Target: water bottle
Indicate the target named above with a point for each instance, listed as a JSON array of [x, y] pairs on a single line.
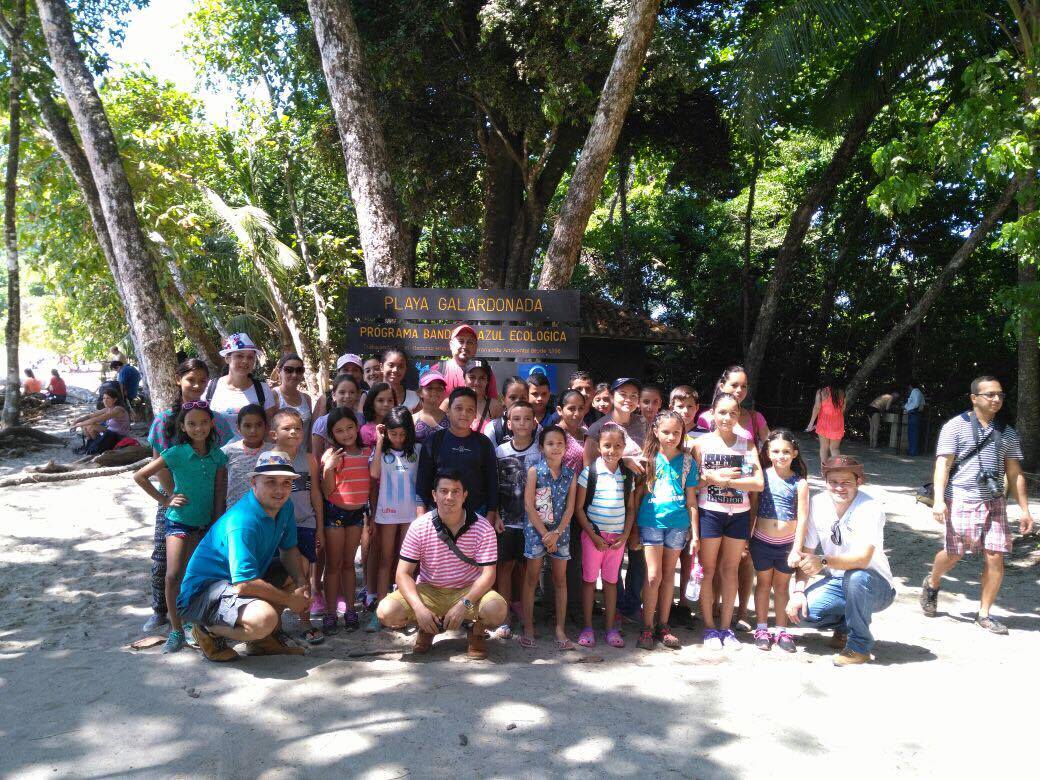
[[693, 586]]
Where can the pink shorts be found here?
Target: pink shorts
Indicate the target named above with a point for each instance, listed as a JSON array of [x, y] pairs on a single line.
[[596, 563]]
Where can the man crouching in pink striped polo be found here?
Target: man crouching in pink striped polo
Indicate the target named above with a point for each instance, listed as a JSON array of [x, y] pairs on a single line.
[[454, 552]]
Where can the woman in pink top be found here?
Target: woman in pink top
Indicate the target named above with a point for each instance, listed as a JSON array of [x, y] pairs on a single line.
[[828, 419]]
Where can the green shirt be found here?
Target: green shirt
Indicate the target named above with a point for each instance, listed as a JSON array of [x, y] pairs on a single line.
[[194, 476]]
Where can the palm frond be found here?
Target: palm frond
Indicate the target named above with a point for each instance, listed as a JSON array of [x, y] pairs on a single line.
[[256, 234]]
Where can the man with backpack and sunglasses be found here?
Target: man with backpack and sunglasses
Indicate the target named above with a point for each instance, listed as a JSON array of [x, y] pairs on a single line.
[[447, 571], [973, 454], [848, 525]]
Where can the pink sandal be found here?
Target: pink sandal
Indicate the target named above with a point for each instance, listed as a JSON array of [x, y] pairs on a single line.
[[587, 638], [614, 638]]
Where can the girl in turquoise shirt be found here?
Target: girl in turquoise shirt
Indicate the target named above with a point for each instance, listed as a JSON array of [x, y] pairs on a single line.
[[199, 472]]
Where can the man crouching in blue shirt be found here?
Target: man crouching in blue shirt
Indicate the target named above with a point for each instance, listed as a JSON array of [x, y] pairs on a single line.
[[232, 585]]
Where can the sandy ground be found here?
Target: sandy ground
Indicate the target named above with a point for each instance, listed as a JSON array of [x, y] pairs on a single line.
[[943, 699]]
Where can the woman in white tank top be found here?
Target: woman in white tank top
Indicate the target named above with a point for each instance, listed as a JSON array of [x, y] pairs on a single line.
[[290, 375]]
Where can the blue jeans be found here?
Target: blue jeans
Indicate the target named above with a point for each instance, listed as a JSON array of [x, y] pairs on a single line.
[[913, 433], [630, 590], [848, 603]]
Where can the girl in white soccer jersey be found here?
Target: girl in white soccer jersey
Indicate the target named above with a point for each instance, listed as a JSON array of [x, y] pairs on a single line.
[[393, 466]]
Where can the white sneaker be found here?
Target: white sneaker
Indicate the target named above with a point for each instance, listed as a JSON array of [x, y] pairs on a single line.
[[729, 640], [713, 639]]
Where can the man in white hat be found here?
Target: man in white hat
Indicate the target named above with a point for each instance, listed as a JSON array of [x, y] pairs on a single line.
[[233, 588]]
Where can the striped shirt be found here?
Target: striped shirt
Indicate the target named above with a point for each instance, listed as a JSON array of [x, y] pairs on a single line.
[[956, 439], [352, 480], [438, 565], [607, 510], [396, 502]]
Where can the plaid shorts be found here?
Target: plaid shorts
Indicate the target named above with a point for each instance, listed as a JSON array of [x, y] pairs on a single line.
[[978, 525]]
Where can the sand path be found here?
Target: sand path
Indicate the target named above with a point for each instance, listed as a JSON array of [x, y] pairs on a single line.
[[943, 698]]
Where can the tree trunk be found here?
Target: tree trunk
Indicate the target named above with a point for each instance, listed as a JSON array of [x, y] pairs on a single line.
[[13, 330], [194, 328], [364, 151], [1027, 419], [503, 199], [745, 272], [140, 288], [917, 313], [562, 255], [287, 316], [799, 225]]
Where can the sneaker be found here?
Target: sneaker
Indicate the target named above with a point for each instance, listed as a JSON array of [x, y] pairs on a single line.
[[730, 641], [215, 648], [189, 636], [684, 616], [373, 624], [849, 657], [929, 598], [763, 639], [838, 639], [329, 624], [351, 620], [155, 622], [667, 638], [646, 639], [712, 639], [991, 625], [174, 642], [318, 605], [341, 606], [785, 642], [504, 631]]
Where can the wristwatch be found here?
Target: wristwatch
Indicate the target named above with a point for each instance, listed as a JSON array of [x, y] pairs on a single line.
[[823, 561], [467, 604]]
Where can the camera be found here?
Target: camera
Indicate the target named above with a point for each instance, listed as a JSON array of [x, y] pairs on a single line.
[[989, 482]]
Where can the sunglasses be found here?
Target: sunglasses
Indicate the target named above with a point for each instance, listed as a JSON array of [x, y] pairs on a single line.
[[194, 405], [292, 369]]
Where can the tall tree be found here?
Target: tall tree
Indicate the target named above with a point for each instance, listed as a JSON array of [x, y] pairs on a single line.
[[136, 272], [364, 150], [585, 185], [12, 397]]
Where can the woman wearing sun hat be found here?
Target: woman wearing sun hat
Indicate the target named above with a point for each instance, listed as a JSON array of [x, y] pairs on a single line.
[[238, 387]]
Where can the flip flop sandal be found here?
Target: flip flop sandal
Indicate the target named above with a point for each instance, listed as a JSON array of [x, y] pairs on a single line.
[[564, 644], [313, 636], [587, 638], [527, 642], [614, 638]]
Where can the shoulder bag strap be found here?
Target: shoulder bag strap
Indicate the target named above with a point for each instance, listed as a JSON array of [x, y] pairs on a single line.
[[445, 536]]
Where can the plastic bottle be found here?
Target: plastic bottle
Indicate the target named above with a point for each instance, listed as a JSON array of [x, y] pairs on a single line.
[[693, 586]]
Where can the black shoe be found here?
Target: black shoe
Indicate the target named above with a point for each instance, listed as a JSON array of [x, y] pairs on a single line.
[[991, 625], [683, 616], [929, 598]]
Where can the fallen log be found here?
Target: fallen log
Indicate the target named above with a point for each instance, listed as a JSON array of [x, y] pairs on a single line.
[[25, 432], [123, 456], [34, 477]]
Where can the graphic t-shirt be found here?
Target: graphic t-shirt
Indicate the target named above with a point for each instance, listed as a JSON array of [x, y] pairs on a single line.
[[396, 503], [241, 461], [513, 464]]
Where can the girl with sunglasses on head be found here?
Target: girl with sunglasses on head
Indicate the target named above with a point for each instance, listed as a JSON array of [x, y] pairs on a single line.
[[192, 378], [289, 394], [198, 467]]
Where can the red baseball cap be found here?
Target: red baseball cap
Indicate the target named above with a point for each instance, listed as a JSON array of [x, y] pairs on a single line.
[[459, 328]]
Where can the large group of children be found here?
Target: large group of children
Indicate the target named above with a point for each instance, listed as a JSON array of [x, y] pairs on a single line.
[[580, 479]]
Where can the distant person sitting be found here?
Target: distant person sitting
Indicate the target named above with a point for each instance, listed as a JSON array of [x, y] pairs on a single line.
[[31, 384], [913, 408], [57, 392], [104, 429], [128, 377]]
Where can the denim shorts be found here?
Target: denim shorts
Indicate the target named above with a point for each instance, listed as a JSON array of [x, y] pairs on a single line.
[[511, 544], [338, 517], [766, 556], [181, 530], [305, 542], [733, 526], [672, 538], [533, 547]]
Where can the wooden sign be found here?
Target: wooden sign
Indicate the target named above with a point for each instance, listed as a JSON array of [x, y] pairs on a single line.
[[527, 343], [408, 303]]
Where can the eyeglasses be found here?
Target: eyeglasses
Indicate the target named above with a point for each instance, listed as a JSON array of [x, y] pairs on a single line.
[[836, 533], [194, 405], [993, 396], [292, 369]]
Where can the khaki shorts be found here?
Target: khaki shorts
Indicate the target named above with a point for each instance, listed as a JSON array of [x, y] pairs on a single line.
[[440, 600]]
